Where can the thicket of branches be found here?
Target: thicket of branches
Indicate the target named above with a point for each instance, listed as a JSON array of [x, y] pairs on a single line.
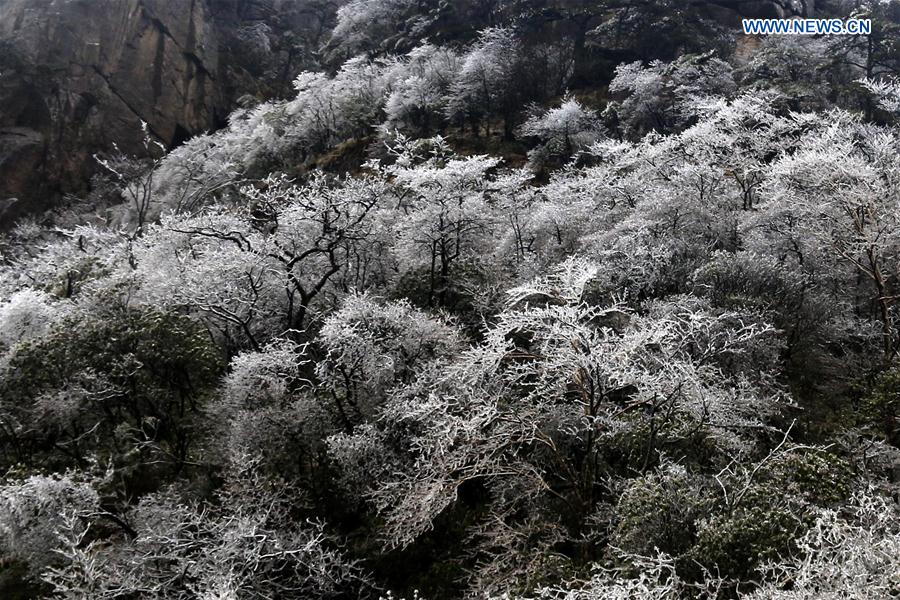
[[646, 350]]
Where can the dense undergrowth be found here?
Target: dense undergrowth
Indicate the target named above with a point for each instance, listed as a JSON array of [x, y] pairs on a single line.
[[414, 332]]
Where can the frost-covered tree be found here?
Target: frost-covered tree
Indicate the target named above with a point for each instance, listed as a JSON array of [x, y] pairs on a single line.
[[135, 177], [844, 190], [850, 553], [266, 412], [563, 130], [886, 93], [330, 110], [796, 66], [26, 315], [660, 96], [419, 95], [370, 25], [530, 412], [656, 578], [207, 264], [200, 172], [70, 264], [256, 271], [34, 510], [486, 84], [372, 347], [247, 544], [448, 219]]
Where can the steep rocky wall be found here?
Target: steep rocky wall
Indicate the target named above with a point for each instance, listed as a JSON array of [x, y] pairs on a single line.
[[78, 75]]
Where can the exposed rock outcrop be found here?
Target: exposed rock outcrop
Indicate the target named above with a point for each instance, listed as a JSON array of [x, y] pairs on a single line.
[[78, 75]]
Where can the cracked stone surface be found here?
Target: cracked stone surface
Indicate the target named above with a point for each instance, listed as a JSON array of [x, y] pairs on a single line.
[[77, 75]]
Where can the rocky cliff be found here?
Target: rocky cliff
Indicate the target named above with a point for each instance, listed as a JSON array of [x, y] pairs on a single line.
[[78, 75]]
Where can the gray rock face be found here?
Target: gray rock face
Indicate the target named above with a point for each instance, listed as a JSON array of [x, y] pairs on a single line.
[[78, 75]]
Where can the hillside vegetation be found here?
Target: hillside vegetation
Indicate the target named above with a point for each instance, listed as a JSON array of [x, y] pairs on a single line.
[[519, 300]]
